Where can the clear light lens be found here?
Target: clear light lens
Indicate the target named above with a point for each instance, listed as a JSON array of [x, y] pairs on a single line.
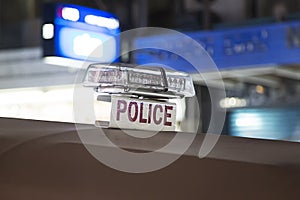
[[147, 77], [131, 79], [180, 83], [98, 77]]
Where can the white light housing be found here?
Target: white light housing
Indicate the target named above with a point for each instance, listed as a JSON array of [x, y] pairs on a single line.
[[138, 80]]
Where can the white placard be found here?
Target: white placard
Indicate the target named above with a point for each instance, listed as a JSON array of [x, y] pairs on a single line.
[[131, 113]]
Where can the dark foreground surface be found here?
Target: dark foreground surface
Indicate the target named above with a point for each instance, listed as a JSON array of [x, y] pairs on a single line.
[[46, 160]]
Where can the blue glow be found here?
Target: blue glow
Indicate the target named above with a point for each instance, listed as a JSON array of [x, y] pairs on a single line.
[[96, 39], [231, 48], [266, 123], [94, 16], [81, 44]]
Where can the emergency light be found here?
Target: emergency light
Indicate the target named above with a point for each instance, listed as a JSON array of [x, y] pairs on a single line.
[[139, 80]]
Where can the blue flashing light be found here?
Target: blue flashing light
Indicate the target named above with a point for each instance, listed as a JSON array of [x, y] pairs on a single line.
[[82, 33]]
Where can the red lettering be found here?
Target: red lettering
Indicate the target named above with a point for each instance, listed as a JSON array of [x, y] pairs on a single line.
[[167, 115], [132, 119], [149, 113], [119, 109], [157, 121], [142, 120]]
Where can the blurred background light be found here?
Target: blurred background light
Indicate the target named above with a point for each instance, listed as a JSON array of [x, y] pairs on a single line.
[[232, 102], [48, 31], [260, 89], [266, 123], [249, 120], [109, 23], [71, 14], [66, 62], [47, 103]]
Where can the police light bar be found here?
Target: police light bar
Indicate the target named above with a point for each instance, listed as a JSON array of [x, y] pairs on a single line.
[[139, 80]]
